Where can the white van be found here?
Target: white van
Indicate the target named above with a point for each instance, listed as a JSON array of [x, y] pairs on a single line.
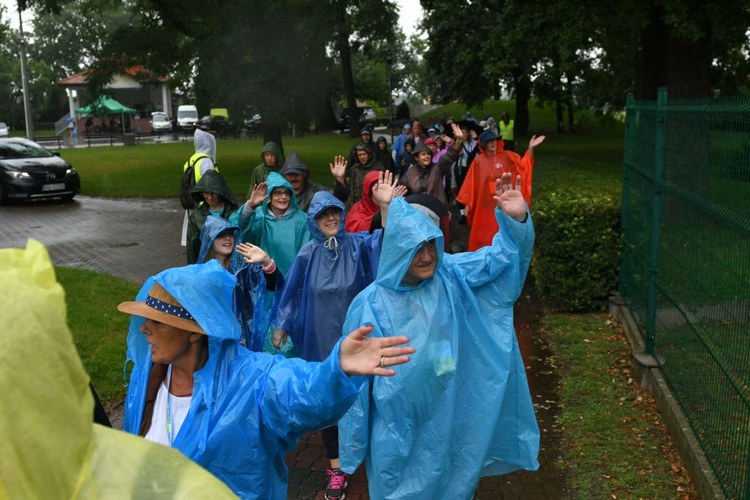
[[187, 117]]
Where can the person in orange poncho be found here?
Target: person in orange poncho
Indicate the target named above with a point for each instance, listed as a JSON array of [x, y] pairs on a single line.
[[479, 185]]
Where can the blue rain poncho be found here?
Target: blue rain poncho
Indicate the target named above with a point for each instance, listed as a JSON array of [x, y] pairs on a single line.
[[324, 279], [248, 409], [461, 408], [281, 238], [251, 301], [49, 444]]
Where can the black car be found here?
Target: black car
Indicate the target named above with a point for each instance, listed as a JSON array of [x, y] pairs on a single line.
[[29, 171], [216, 123]]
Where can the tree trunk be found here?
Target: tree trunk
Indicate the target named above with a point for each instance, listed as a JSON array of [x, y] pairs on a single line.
[[273, 133], [571, 105], [522, 85], [559, 114], [345, 53]]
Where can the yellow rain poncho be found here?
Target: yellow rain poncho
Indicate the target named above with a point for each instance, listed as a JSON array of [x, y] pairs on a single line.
[[49, 445]]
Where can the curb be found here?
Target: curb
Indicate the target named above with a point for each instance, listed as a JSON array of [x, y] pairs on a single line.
[[647, 370]]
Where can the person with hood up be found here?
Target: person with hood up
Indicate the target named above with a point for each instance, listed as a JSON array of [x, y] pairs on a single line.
[[462, 408], [486, 168], [203, 160], [349, 178], [424, 176], [327, 274], [365, 136], [360, 216], [51, 447], [256, 275], [399, 143], [297, 173], [271, 220], [230, 410], [272, 158], [383, 155], [215, 198]]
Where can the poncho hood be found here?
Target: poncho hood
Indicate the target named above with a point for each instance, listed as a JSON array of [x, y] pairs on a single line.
[[275, 180], [272, 147], [322, 200], [205, 143], [211, 229], [408, 229], [213, 182]]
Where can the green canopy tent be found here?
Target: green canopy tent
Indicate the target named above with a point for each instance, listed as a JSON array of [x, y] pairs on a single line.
[[106, 106]]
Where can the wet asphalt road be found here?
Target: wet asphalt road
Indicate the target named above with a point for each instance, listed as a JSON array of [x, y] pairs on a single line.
[[132, 239], [135, 239]]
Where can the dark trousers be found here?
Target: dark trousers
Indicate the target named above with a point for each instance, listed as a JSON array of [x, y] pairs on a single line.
[[330, 437]]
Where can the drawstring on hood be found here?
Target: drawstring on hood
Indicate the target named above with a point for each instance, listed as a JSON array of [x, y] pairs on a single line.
[[332, 244]]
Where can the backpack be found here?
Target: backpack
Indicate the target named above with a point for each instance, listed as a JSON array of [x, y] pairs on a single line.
[[188, 183]]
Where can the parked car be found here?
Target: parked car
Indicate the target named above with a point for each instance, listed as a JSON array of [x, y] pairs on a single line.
[[160, 122], [4, 130], [366, 118], [252, 125], [216, 123], [187, 117], [29, 171]]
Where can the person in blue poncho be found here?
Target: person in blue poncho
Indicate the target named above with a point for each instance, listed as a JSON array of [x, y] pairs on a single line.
[[462, 408], [271, 220], [256, 275], [327, 274], [230, 410]]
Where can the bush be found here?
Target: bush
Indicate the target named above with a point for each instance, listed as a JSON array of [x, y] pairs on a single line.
[[577, 255]]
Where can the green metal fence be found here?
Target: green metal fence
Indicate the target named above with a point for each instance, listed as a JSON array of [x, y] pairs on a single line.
[[685, 272]]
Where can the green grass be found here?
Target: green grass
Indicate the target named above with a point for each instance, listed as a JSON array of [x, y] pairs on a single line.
[[614, 442], [99, 329]]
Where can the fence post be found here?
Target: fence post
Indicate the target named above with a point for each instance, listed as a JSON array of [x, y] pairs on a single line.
[[656, 206]]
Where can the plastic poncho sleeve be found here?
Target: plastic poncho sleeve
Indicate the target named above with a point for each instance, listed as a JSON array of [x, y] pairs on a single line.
[[289, 299], [513, 241], [300, 396], [251, 225]]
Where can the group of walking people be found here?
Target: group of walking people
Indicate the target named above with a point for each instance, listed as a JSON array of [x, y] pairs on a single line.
[[404, 355]]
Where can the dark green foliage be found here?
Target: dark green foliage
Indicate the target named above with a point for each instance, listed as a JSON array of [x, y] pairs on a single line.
[[577, 254]]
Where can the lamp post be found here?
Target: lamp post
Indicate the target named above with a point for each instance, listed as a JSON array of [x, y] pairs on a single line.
[[25, 79], [390, 98]]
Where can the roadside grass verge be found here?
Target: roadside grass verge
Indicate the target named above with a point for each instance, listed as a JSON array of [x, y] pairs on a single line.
[[99, 329], [615, 444]]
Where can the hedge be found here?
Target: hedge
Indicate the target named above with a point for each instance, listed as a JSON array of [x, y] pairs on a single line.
[[577, 254]]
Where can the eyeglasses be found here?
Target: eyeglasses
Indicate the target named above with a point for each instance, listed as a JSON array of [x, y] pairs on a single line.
[[280, 192]]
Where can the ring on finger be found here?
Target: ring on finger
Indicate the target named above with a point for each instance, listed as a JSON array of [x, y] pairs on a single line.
[[382, 359]]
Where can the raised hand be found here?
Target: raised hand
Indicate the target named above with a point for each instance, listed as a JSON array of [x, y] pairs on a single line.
[[457, 132], [279, 338], [509, 199], [535, 141], [400, 190], [363, 355], [382, 193], [338, 168], [253, 254], [258, 195]]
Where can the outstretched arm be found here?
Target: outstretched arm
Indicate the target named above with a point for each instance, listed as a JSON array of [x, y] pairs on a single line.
[[363, 355]]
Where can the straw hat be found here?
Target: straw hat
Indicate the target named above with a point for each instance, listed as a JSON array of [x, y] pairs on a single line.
[[162, 307]]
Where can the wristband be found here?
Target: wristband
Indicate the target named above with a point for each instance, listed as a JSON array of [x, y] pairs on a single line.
[[270, 268]]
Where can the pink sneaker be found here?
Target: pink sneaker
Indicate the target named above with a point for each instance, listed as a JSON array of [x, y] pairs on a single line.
[[336, 484]]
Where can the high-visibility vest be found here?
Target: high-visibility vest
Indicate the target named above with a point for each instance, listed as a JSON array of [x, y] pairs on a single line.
[[506, 131], [193, 161]]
